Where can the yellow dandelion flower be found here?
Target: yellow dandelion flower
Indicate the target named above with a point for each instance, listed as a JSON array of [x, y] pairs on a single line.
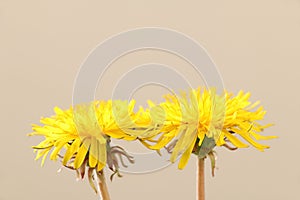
[[200, 120], [84, 132]]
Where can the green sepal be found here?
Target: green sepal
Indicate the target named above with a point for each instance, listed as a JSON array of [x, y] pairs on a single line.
[[206, 147]]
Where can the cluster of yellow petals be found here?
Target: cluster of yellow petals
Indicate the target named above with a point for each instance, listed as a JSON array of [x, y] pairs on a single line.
[[83, 131], [190, 117], [186, 118]]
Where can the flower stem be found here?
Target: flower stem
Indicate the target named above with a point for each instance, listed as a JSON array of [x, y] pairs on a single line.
[[201, 189], [102, 186]]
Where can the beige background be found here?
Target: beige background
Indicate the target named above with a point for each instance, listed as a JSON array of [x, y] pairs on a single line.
[[255, 44]]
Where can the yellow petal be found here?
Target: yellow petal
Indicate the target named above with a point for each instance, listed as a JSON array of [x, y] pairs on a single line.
[[82, 153], [235, 141], [44, 157], [100, 166], [219, 138], [186, 155], [161, 143], [93, 153], [58, 145], [185, 140], [247, 137], [262, 137], [102, 155], [71, 150]]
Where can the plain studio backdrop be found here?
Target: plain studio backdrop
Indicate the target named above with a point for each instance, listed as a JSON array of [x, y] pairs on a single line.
[[255, 44]]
